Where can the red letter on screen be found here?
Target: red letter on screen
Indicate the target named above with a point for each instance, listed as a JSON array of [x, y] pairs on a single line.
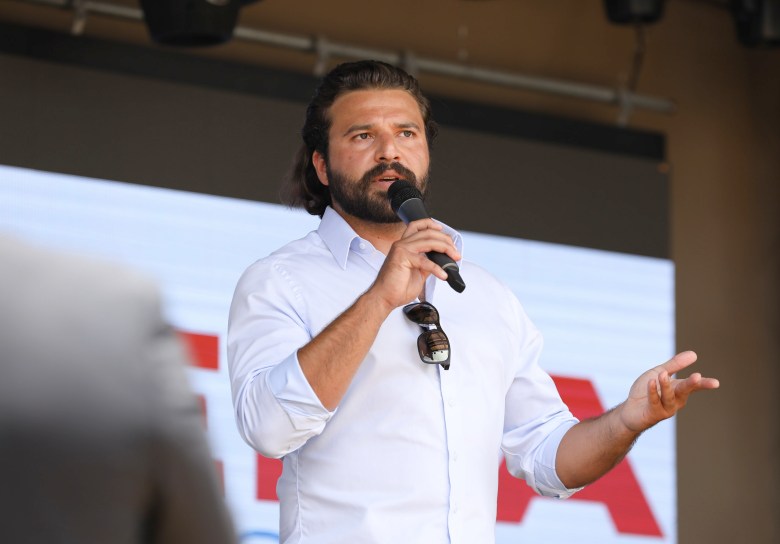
[[203, 349], [619, 489]]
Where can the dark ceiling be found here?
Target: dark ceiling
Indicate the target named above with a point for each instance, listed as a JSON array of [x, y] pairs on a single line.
[[518, 37]]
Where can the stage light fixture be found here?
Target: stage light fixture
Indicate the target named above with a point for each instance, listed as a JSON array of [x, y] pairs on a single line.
[[634, 11], [757, 22], [191, 22]]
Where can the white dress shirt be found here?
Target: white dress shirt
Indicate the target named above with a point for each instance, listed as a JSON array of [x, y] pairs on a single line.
[[412, 452]]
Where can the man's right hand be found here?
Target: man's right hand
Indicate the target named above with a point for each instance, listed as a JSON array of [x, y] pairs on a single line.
[[331, 359], [402, 277]]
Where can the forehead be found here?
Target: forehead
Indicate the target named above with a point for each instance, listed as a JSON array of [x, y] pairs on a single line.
[[367, 106]]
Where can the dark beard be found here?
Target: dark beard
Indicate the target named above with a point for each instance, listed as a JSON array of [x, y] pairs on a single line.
[[355, 198]]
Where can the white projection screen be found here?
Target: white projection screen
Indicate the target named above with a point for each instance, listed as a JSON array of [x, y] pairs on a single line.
[[606, 317]]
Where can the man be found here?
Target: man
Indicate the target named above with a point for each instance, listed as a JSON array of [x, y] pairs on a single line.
[[328, 364], [101, 439]]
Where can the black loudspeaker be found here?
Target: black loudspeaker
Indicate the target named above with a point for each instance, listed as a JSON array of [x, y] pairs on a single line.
[[757, 21], [634, 11], [191, 22]]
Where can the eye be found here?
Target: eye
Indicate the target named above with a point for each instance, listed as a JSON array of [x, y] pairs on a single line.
[[362, 136], [407, 133]]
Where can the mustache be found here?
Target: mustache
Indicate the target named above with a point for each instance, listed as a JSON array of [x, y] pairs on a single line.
[[400, 169]]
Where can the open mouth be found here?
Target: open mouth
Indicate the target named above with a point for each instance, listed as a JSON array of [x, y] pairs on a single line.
[[388, 177], [388, 173]]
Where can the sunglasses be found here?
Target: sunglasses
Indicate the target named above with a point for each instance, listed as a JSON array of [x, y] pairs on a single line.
[[433, 345]]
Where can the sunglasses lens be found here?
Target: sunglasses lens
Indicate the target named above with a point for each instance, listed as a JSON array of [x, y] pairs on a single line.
[[422, 313], [434, 347]]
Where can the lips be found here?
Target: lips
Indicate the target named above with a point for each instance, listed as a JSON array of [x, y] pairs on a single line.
[[386, 174], [388, 177]]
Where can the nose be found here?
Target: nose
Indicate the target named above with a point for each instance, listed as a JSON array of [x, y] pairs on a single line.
[[386, 150]]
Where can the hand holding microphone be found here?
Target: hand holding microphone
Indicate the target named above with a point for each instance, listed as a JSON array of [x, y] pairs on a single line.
[[407, 203]]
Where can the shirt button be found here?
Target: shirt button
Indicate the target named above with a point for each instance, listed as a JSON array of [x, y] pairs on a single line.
[[454, 456], [451, 401], [362, 245]]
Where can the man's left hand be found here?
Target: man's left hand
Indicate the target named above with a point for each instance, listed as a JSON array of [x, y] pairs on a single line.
[[656, 395]]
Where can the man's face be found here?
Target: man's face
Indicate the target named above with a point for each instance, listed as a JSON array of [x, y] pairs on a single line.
[[376, 138]]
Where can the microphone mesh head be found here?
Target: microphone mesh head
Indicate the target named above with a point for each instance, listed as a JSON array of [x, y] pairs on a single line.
[[401, 191]]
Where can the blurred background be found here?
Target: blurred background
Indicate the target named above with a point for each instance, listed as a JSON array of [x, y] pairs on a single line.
[[689, 88]]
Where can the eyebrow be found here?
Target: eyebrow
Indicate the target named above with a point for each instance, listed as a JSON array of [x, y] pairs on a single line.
[[358, 128]]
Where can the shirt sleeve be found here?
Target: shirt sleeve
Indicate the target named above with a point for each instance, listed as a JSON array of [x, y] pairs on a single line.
[[276, 409], [535, 416]]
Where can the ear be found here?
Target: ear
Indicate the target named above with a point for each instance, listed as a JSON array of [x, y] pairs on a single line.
[[318, 160]]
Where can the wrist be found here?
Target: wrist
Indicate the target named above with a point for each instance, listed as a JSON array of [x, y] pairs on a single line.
[[376, 304], [620, 425]]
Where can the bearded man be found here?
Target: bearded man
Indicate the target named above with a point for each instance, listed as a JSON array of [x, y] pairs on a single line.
[[390, 397]]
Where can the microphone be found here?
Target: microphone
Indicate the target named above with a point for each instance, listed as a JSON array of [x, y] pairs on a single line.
[[407, 204]]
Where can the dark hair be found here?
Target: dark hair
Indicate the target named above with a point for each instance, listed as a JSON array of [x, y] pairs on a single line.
[[302, 187]]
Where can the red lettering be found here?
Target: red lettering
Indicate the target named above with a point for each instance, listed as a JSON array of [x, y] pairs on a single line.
[[268, 472], [203, 349], [619, 489]]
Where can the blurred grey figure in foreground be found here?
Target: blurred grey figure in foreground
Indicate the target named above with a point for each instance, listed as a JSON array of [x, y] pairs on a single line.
[[101, 439]]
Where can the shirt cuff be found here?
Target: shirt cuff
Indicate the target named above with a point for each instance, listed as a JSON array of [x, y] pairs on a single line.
[[294, 393], [546, 478]]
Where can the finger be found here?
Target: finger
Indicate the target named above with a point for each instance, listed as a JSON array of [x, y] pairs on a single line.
[[709, 383], [696, 382], [423, 228], [420, 225], [427, 266], [679, 361], [424, 242], [653, 393], [669, 393], [685, 386]]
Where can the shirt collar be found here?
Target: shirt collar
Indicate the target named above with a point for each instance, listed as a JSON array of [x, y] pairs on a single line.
[[339, 237]]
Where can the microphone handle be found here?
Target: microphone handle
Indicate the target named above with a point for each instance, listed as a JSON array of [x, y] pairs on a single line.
[[449, 266], [414, 209]]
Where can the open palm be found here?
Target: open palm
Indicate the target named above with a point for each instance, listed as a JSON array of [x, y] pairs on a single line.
[[656, 395]]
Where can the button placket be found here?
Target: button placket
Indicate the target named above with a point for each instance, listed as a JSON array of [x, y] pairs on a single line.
[[450, 406]]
